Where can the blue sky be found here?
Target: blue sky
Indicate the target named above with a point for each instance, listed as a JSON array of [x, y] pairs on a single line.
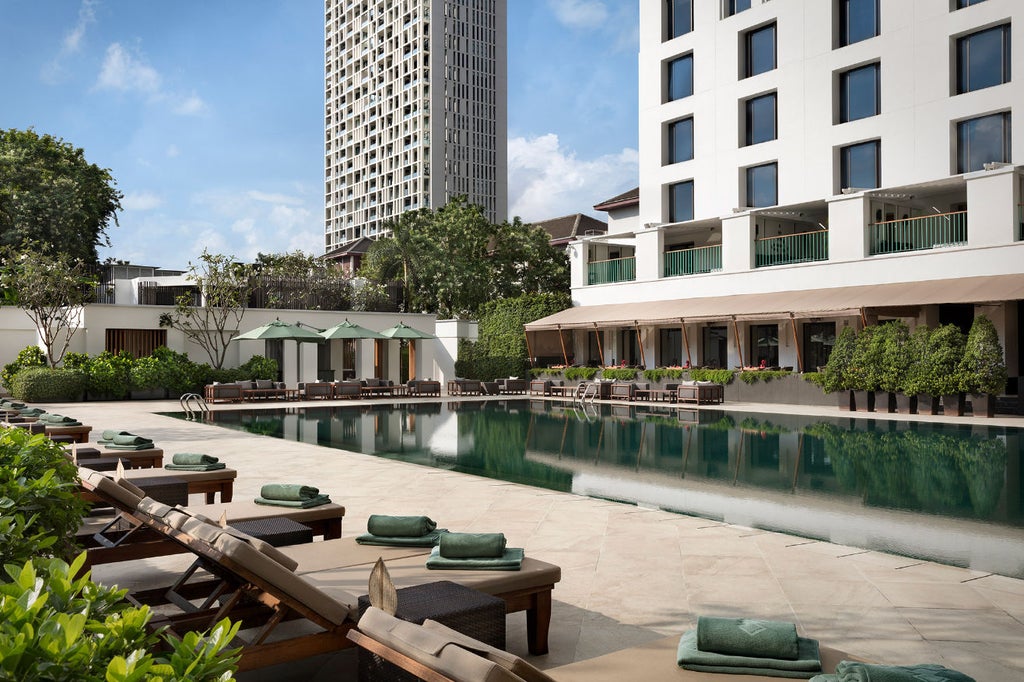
[[210, 113]]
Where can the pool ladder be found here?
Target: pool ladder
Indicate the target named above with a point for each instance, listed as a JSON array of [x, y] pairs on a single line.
[[194, 405], [586, 391]]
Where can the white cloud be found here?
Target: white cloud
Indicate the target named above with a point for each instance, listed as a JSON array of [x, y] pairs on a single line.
[[126, 72], [173, 151], [141, 201], [273, 198], [190, 105], [580, 14], [547, 181], [72, 43]]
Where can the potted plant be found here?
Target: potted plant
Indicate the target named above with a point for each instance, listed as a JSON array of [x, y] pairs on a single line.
[[864, 369], [915, 382], [835, 377], [945, 351], [982, 367], [895, 342]]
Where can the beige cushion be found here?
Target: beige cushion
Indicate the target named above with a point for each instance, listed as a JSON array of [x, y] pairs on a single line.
[[111, 492], [131, 487], [150, 506], [209, 532], [508, 661]]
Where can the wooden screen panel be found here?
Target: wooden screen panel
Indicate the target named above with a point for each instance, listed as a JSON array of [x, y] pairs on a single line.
[[138, 342]]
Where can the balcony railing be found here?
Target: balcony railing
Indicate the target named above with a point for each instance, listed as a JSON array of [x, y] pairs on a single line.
[[610, 271], [692, 261], [916, 234], [805, 247], [1020, 222]]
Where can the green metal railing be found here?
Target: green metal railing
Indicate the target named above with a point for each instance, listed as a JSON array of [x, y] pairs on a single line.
[[805, 247], [1020, 222], [610, 271], [916, 234], [692, 261]]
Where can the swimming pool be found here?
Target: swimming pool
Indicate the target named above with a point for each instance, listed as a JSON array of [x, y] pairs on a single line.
[[948, 493]]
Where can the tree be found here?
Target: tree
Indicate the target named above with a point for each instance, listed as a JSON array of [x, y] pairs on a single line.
[[51, 289], [524, 262], [394, 258], [299, 281], [224, 286], [982, 366], [50, 194]]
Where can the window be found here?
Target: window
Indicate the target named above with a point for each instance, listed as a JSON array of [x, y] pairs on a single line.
[[860, 166], [680, 140], [735, 6], [983, 59], [678, 18], [760, 51], [858, 20], [139, 343], [960, 4], [764, 345], [680, 202], [761, 116], [680, 78], [859, 93], [763, 185], [982, 140]]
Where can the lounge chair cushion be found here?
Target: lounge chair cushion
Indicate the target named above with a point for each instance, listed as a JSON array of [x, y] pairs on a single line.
[[112, 492], [433, 649], [264, 383], [148, 505], [209, 532], [510, 662], [131, 487]]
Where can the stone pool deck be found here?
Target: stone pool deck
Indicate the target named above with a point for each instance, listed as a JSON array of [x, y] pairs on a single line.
[[629, 574]]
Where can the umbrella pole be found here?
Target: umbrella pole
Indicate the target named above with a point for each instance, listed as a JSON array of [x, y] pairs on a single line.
[[412, 360]]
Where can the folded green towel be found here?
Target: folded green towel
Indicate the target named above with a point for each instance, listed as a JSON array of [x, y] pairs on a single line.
[[193, 458], [140, 446], [852, 671], [510, 560], [16, 405], [108, 434], [301, 504], [60, 424], [806, 665], [427, 540], [131, 439], [214, 466], [57, 419], [288, 492], [31, 412], [399, 526], [471, 545], [747, 637]]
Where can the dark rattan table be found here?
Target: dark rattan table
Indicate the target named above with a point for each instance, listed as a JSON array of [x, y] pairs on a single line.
[[478, 615], [276, 531]]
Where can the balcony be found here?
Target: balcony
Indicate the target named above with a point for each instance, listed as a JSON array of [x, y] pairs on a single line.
[[805, 247], [917, 234], [692, 261], [611, 271]]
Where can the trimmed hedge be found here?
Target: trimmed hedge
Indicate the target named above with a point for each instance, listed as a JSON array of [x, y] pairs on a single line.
[[42, 384]]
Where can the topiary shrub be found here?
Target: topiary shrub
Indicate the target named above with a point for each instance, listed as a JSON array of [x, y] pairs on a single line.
[[915, 381], [894, 339], [109, 375], [30, 356], [42, 384], [945, 352], [164, 369], [865, 363], [835, 376]]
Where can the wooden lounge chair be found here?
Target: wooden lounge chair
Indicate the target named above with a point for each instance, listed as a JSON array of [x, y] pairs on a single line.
[[209, 483], [436, 653], [700, 392], [79, 433]]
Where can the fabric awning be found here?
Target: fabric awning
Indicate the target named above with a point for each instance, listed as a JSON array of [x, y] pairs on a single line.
[[782, 304]]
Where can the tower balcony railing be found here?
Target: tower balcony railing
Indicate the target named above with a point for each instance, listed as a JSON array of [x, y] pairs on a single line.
[[805, 247], [611, 271], [917, 234], [692, 261]]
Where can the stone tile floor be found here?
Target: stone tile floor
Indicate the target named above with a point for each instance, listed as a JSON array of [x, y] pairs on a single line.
[[629, 574]]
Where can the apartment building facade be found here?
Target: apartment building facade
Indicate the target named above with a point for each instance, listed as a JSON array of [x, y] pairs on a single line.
[[805, 165], [415, 111]]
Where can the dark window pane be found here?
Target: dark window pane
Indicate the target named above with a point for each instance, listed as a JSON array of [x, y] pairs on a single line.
[[680, 17], [983, 59], [858, 20], [734, 6], [762, 185], [981, 140], [680, 141], [967, 3], [760, 50], [859, 93], [761, 119], [681, 202], [680, 78], [859, 165]]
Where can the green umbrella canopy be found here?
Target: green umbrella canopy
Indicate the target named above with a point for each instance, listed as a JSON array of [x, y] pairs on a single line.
[[404, 331], [349, 330], [279, 330]]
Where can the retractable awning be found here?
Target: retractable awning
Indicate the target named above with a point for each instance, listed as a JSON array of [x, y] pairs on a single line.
[[783, 304]]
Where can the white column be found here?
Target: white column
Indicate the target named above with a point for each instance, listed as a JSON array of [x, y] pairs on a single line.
[[738, 242], [991, 209], [848, 218]]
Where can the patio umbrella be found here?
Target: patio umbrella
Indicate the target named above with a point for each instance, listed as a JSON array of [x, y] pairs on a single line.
[[403, 331], [350, 330], [279, 330]]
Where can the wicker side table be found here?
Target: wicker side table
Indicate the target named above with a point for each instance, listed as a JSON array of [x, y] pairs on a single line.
[[478, 615], [169, 490], [278, 532]]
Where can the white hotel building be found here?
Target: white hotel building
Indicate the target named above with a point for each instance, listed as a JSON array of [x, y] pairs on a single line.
[[415, 111], [804, 165]]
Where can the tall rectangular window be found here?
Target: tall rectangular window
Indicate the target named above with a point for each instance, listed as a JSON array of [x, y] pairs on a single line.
[[678, 18], [763, 185], [736, 6], [761, 119], [680, 78], [859, 165], [982, 140], [680, 202], [858, 20], [760, 51], [680, 140], [960, 4], [983, 59], [859, 93]]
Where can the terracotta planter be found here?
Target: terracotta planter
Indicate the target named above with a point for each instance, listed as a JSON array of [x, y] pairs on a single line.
[[927, 404], [953, 404], [983, 405], [845, 399], [864, 400], [906, 404]]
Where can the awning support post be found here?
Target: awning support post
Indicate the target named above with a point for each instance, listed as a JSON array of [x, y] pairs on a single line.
[[686, 342], [640, 342], [600, 350], [529, 349], [739, 346], [796, 343], [565, 358]]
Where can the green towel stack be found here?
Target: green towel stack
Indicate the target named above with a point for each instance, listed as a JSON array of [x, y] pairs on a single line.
[[193, 461], [58, 420], [291, 495], [807, 664], [400, 531], [747, 637], [510, 560], [31, 412], [852, 671], [472, 545], [128, 441], [108, 436]]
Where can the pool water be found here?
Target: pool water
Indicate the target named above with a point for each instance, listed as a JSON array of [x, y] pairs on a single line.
[[949, 493]]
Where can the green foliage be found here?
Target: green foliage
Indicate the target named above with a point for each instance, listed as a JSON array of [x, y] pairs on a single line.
[[619, 373], [42, 384], [944, 352], [864, 371], [109, 375], [836, 374], [56, 624], [915, 381], [816, 378], [259, 367], [657, 374], [49, 193], [295, 280], [164, 369], [719, 376], [30, 356], [581, 373], [765, 375], [982, 367], [40, 509], [894, 338]]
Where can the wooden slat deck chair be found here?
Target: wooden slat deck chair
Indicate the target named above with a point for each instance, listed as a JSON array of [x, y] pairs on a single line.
[[208, 483]]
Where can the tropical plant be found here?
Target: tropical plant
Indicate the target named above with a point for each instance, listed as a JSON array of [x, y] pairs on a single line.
[[580, 373], [259, 367], [894, 338], [719, 376], [982, 367], [619, 373], [836, 373], [30, 356]]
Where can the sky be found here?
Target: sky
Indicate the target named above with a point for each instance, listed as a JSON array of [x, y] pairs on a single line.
[[209, 113]]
